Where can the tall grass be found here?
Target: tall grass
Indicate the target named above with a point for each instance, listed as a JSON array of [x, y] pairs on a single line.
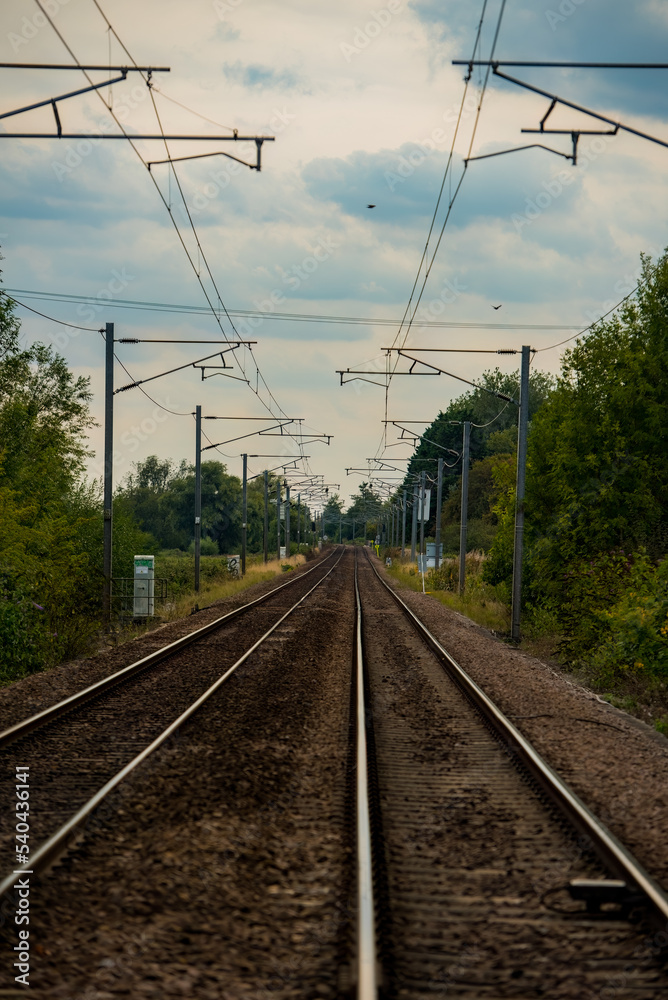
[[217, 583], [480, 601]]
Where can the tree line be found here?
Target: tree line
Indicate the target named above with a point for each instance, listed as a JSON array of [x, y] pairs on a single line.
[[159, 497], [596, 508], [596, 495]]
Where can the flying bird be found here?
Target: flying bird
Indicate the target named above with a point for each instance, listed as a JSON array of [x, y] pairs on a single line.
[[497, 307], [371, 206]]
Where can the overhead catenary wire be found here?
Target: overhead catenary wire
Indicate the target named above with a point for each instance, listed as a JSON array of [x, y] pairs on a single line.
[[453, 197], [200, 251], [446, 172], [184, 309]]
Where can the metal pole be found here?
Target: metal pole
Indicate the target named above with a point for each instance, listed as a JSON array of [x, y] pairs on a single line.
[[463, 525], [414, 524], [423, 479], [439, 503], [522, 429], [108, 468], [403, 526], [266, 516], [299, 522], [278, 519], [244, 513], [353, 531], [287, 521], [198, 490], [339, 527]]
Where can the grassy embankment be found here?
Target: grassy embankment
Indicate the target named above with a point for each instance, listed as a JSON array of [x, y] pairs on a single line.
[[215, 581], [639, 688], [479, 602]]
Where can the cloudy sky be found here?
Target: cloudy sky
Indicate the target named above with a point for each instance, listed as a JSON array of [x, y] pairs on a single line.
[[362, 101]]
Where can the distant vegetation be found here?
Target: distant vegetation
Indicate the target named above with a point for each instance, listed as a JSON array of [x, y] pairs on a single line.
[[51, 516], [596, 576]]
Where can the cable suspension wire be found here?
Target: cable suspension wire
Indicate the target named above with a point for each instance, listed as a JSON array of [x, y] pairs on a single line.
[[480, 426], [176, 413], [591, 326], [72, 326], [185, 106]]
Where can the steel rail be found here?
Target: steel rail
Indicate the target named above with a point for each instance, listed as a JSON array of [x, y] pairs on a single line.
[[80, 697], [367, 987], [52, 848], [609, 849]]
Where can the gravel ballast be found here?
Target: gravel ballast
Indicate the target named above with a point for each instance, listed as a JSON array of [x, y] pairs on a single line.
[[614, 762]]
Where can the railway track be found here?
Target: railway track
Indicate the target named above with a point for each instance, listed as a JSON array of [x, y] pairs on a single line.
[[492, 878], [347, 815], [85, 745]]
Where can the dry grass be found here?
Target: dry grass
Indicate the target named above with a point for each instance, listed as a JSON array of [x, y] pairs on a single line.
[[479, 601], [210, 591], [217, 590]]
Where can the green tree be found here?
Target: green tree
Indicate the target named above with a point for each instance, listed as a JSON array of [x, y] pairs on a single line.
[[332, 512], [161, 498], [597, 477], [365, 508], [493, 430], [47, 572]]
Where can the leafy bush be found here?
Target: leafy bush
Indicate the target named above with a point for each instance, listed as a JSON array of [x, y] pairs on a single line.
[[20, 637], [207, 547], [590, 587], [179, 571], [635, 628], [446, 577]]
